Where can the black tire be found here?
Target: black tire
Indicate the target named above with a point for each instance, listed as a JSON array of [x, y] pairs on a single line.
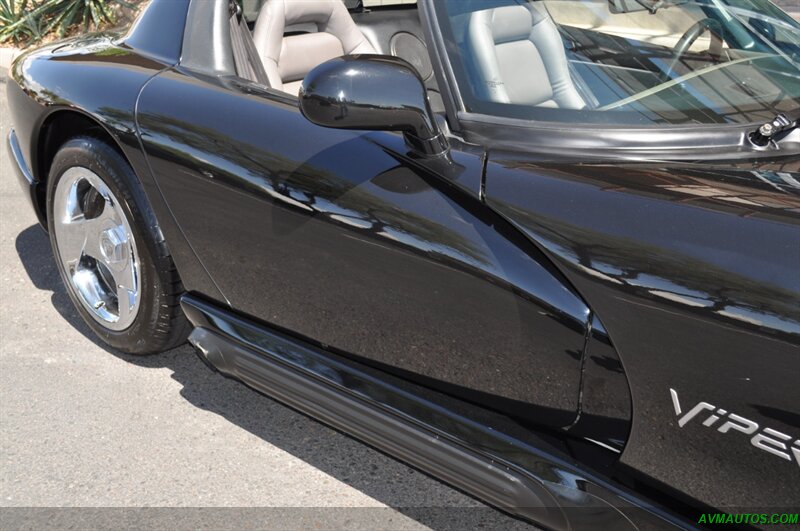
[[159, 324]]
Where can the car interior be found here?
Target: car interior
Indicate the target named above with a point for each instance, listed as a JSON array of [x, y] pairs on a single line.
[[635, 62], [503, 38], [291, 37], [541, 60], [319, 31]]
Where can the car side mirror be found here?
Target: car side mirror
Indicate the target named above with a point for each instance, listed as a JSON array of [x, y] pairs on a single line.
[[372, 93]]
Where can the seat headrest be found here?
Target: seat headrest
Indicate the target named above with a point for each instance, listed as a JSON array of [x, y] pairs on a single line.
[[330, 16], [289, 59], [510, 23], [317, 11]]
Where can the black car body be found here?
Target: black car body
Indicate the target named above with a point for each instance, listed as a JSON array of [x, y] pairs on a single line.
[[583, 325]]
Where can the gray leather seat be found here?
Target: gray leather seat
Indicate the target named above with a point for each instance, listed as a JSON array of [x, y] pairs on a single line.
[[519, 58], [287, 60]]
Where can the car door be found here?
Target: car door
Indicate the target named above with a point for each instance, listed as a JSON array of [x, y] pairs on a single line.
[[345, 239]]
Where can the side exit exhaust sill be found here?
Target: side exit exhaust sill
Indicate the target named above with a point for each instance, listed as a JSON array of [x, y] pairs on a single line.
[[462, 468], [498, 469]]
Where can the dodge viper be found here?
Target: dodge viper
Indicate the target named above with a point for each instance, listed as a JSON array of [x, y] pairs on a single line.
[[547, 251]]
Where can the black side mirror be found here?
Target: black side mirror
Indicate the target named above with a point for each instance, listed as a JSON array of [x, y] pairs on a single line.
[[372, 93]]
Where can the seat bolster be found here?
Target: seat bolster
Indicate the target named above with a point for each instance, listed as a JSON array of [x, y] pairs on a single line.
[[481, 40], [364, 47], [547, 39], [268, 39]]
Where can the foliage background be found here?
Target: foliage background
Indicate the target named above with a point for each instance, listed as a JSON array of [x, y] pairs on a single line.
[[26, 22]]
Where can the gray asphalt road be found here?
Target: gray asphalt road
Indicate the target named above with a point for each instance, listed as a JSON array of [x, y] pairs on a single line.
[[82, 425]]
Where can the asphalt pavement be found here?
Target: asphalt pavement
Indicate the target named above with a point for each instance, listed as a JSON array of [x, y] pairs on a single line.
[[91, 438]]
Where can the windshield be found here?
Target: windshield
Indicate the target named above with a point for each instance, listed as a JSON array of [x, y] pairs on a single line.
[[624, 61]]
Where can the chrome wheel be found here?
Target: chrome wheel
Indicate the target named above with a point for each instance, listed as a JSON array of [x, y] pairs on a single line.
[[96, 248]]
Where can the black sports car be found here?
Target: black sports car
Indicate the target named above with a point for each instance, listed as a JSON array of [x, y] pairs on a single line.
[[547, 251]]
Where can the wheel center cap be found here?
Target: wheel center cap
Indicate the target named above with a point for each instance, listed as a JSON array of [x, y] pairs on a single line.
[[112, 245]]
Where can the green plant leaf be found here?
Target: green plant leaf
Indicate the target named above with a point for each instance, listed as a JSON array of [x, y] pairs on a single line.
[[28, 21]]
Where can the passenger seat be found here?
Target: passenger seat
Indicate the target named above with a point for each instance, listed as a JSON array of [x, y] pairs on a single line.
[[519, 57], [288, 59]]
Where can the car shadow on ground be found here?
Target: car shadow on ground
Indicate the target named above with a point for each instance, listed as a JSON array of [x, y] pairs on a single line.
[[336, 454]]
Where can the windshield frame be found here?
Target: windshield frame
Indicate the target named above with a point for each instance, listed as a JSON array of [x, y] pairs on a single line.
[[598, 140]]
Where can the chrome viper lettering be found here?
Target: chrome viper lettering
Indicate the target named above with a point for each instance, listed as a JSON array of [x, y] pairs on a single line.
[[767, 439]]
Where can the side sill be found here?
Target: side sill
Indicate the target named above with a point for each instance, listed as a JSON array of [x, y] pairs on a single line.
[[522, 480]]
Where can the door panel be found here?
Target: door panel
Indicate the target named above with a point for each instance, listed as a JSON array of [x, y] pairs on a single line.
[[337, 237]]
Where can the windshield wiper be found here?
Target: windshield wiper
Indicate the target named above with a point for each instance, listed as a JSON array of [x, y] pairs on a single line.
[[782, 123]]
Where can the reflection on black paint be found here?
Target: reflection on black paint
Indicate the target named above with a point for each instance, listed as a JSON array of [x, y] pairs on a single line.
[[330, 235], [694, 270]]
